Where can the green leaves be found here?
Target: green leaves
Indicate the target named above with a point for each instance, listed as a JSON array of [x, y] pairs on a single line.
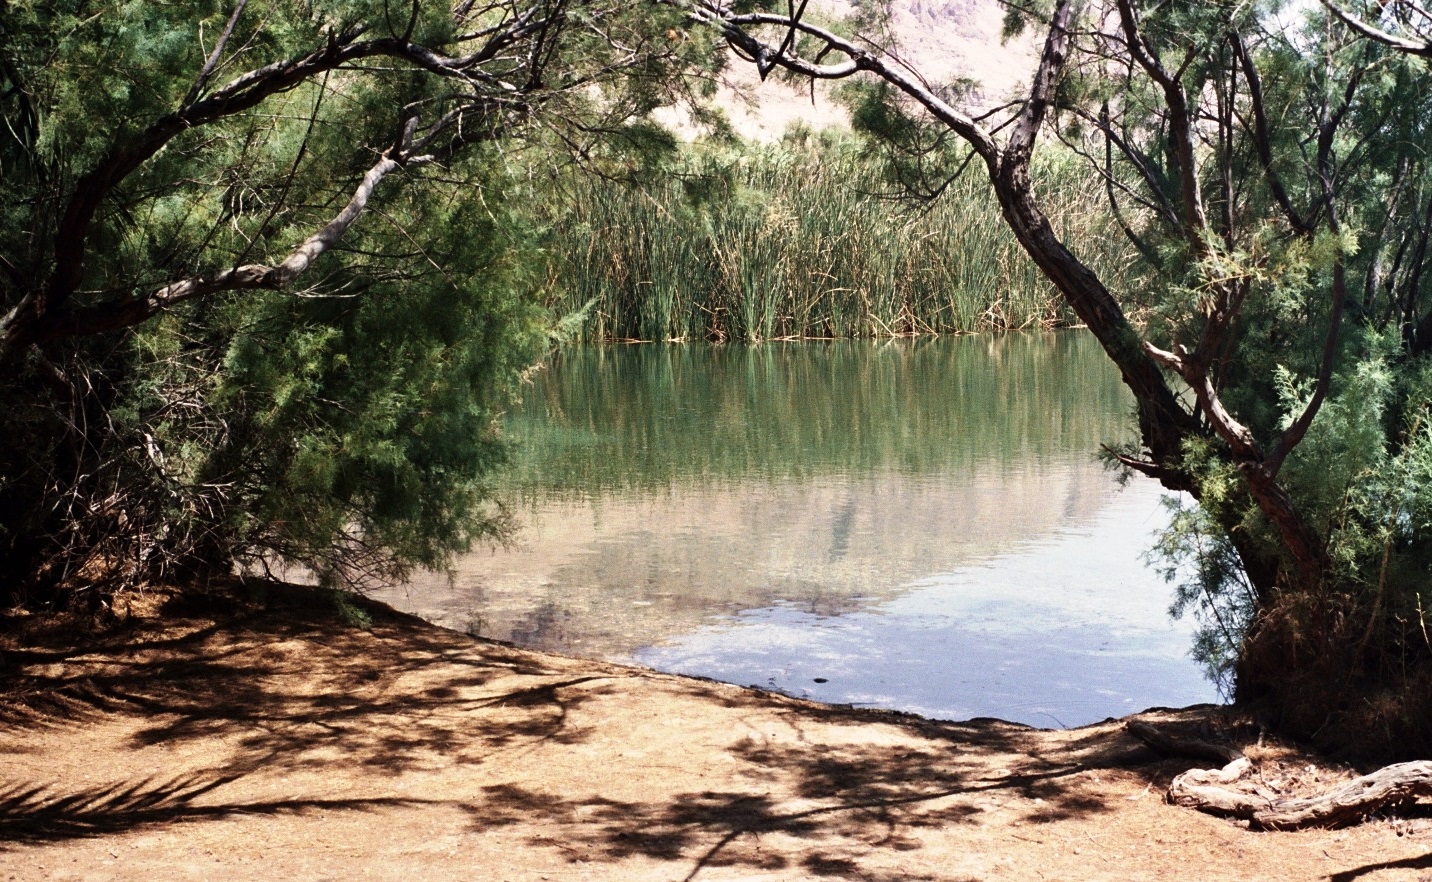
[[369, 420], [804, 238], [165, 169]]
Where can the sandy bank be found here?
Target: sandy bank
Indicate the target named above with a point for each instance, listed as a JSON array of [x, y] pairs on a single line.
[[247, 742]]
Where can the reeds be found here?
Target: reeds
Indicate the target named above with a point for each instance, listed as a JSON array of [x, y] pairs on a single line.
[[792, 240]]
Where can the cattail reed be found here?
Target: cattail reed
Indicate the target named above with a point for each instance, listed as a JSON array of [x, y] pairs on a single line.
[[797, 240]]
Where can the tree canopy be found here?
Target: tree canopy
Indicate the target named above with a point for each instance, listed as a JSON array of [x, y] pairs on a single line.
[[262, 292]]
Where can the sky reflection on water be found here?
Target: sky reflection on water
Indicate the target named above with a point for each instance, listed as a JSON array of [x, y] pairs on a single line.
[[920, 524], [1067, 631]]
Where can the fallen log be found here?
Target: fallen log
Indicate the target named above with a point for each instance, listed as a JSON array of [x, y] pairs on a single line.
[[1207, 790], [1167, 744]]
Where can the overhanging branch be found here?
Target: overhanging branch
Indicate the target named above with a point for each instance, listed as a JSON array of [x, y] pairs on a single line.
[[1401, 44], [737, 31], [123, 313]]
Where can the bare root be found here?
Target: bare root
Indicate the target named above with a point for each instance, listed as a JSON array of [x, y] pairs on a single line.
[[1211, 790]]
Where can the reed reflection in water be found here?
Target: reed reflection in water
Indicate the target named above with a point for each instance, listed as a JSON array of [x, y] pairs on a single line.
[[774, 514]]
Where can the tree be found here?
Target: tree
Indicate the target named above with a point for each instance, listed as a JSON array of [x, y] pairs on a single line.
[[1273, 177], [262, 293], [1409, 25]]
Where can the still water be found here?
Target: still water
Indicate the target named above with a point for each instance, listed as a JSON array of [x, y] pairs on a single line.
[[918, 525]]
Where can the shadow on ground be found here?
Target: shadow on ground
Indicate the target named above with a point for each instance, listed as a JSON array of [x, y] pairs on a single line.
[[828, 806], [30, 814], [290, 690], [290, 684]]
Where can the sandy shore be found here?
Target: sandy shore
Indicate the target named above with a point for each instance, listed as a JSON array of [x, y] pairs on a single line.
[[252, 741]]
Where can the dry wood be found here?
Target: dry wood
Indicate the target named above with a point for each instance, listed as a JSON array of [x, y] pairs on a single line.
[[1207, 789], [1165, 743], [1346, 804]]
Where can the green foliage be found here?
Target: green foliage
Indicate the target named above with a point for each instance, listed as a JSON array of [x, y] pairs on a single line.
[[1196, 556], [344, 422], [1359, 478], [351, 432], [1364, 472], [801, 239], [350, 613], [367, 420]]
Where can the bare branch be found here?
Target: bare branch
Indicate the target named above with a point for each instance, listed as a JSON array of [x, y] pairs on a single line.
[[767, 57], [1180, 123], [1401, 44], [128, 312], [1261, 139]]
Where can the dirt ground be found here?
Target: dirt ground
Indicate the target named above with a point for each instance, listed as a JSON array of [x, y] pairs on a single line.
[[272, 742]]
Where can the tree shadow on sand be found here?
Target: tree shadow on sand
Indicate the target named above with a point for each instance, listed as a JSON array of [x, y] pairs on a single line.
[[32, 814], [289, 689], [837, 806]]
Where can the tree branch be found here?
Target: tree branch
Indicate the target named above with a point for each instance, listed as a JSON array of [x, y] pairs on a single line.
[[1261, 140], [767, 58], [127, 312], [42, 310], [212, 62], [1195, 219], [1413, 47]]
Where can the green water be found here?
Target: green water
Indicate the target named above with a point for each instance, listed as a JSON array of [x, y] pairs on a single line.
[[640, 417], [862, 522]]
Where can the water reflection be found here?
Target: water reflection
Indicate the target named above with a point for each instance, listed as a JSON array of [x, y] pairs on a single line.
[[867, 513], [653, 417], [1065, 631]]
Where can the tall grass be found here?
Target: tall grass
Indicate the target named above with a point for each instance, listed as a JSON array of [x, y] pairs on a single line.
[[794, 240]]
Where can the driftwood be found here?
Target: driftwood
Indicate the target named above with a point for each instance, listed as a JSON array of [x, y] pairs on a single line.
[[1165, 743], [1208, 789]]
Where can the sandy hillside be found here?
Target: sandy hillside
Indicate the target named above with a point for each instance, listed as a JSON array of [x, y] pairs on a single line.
[[943, 40]]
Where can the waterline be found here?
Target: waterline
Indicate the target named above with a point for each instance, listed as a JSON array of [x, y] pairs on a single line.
[[890, 518]]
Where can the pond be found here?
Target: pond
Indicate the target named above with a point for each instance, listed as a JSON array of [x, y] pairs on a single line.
[[911, 524]]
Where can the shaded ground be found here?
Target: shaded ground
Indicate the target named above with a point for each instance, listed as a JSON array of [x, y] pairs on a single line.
[[254, 743]]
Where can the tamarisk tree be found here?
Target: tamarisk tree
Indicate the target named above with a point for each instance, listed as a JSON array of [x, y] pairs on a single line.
[[1269, 169], [262, 291]]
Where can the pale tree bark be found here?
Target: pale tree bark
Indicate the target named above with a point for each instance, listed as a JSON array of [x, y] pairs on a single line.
[[126, 313], [1416, 18]]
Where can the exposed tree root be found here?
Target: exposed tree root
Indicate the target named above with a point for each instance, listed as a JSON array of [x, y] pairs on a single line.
[[1208, 790]]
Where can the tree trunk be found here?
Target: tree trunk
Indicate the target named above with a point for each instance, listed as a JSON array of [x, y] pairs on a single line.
[[1163, 423]]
